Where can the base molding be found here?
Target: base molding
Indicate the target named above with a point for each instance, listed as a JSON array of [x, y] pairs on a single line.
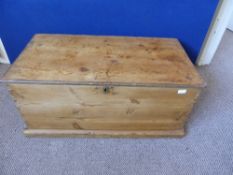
[[103, 133]]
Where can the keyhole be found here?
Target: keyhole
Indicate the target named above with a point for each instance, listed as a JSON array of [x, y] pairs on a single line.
[[106, 89]]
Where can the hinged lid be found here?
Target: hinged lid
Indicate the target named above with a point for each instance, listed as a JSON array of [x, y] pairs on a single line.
[[81, 59]]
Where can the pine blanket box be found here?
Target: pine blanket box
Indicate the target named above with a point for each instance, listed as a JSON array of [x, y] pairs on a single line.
[[81, 85]]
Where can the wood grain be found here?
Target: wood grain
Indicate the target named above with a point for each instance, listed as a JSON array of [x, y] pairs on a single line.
[[91, 108], [71, 59], [103, 133], [104, 86]]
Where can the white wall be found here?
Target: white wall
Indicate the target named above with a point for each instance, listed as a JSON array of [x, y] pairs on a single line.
[[230, 25], [3, 55], [216, 31]]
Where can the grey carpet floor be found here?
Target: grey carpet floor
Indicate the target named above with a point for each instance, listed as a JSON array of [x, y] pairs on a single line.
[[207, 148]]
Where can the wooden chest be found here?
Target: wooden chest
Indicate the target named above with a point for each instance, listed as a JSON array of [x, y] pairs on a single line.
[[103, 86]]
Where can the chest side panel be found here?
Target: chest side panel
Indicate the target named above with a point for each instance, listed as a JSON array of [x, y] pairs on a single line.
[[95, 108]]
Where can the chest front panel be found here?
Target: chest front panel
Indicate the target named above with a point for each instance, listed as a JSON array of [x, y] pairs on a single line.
[[98, 107]]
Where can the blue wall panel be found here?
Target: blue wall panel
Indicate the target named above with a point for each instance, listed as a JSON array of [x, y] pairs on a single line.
[[187, 20]]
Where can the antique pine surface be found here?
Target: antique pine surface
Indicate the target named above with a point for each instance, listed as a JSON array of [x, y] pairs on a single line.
[[69, 85], [120, 60]]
